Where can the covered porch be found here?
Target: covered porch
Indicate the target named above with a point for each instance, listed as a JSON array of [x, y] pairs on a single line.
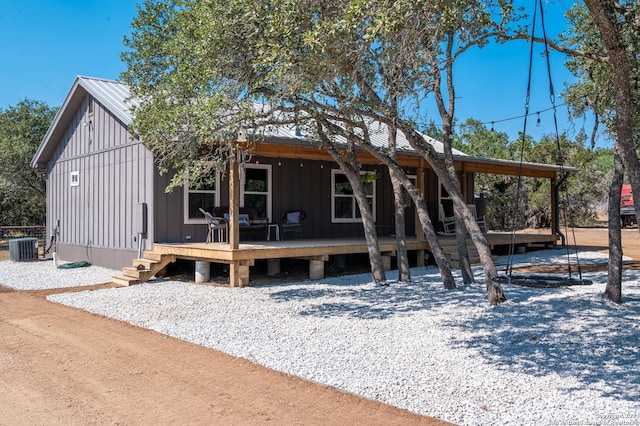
[[316, 251]]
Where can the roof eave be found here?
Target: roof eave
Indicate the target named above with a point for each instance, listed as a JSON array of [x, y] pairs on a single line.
[[79, 89], [44, 150]]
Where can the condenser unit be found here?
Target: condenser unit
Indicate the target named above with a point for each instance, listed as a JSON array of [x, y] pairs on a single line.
[[23, 249]]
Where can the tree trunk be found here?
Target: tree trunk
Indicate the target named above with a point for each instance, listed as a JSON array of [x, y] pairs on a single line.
[[604, 15], [423, 215], [348, 165], [417, 142], [431, 236], [463, 251], [375, 258], [613, 290], [404, 271], [446, 114]]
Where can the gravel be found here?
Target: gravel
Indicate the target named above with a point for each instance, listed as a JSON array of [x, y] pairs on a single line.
[[44, 275], [547, 356]]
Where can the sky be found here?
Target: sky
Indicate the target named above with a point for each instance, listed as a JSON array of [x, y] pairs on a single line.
[[47, 43]]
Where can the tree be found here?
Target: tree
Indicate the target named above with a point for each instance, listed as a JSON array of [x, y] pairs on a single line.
[[383, 54], [22, 188], [194, 66], [346, 158], [613, 289], [476, 139], [610, 66], [329, 65], [464, 25], [404, 272]]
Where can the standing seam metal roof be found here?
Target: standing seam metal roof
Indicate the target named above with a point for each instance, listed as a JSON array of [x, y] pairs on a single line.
[[115, 95]]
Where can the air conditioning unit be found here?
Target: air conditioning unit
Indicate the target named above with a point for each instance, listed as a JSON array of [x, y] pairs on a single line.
[[23, 249]]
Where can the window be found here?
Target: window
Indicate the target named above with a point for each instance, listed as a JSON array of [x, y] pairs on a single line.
[[344, 207], [205, 197], [256, 191], [75, 178], [406, 198], [446, 201]]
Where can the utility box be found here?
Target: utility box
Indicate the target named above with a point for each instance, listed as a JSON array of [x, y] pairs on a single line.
[[140, 219], [23, 249]]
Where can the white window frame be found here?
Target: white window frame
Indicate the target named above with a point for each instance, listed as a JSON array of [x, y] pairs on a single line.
[[354, 218], [416, 222], [74, 178], [187, 191], [441, 197], [269, 193], [414, 180]]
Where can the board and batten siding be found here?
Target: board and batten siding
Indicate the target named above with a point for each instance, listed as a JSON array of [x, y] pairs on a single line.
[[115, 173]]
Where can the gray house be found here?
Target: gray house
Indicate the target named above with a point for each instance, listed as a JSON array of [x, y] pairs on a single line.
[[107, 199]]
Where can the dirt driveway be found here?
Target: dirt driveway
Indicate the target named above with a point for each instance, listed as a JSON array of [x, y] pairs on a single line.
[[60, 365]]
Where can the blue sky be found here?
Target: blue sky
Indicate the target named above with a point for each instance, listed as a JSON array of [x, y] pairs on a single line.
[[47, 43]]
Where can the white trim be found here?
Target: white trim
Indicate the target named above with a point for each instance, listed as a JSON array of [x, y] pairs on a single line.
[[268, 168], [185, 201], [441, 197], [74, 178], [354, 218]]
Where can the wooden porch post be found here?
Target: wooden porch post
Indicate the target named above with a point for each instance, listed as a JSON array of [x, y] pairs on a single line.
[[419, 230], [235, 273], [234, 202], [554, 206]]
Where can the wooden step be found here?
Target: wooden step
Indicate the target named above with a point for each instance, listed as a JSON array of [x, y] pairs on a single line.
[[124, 281], [143, 269], [147, 263], [140, 274], [151, 255]]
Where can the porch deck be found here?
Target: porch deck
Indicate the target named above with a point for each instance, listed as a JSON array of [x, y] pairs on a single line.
[[316, 251]]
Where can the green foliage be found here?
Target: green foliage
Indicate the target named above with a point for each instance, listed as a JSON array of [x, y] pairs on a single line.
[[584, 192], [191, 84], [22, 189], [198, 65], [595, 90]]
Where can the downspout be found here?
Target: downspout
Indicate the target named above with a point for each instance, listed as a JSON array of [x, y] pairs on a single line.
[[556, 206]]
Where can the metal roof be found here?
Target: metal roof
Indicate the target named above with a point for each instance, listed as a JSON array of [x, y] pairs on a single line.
[[115, 95]]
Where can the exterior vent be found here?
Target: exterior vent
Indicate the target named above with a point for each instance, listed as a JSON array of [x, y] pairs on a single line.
[[23, 249]]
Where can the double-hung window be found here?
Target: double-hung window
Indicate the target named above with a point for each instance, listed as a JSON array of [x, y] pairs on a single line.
[[204, 196], [256, 191], [446, 201], [344, 206]]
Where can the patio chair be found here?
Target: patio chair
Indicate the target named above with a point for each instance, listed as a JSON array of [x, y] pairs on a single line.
[[218, 228], [448, 222], [481, 221], [292, 222]]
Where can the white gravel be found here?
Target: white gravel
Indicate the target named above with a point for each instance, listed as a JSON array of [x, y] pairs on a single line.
[[44, 275], [547, 356]]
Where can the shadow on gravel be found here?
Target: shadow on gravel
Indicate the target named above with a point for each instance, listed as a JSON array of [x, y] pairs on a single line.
[[570, 332], [356, 297]]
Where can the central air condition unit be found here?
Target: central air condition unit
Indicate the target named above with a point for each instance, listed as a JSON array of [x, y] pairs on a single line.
[[23, 249]]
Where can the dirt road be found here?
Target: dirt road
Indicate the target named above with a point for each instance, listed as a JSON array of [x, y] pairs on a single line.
[[60, 365]]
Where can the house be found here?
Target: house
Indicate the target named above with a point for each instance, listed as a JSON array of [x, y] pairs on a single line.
[[108, 201]]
